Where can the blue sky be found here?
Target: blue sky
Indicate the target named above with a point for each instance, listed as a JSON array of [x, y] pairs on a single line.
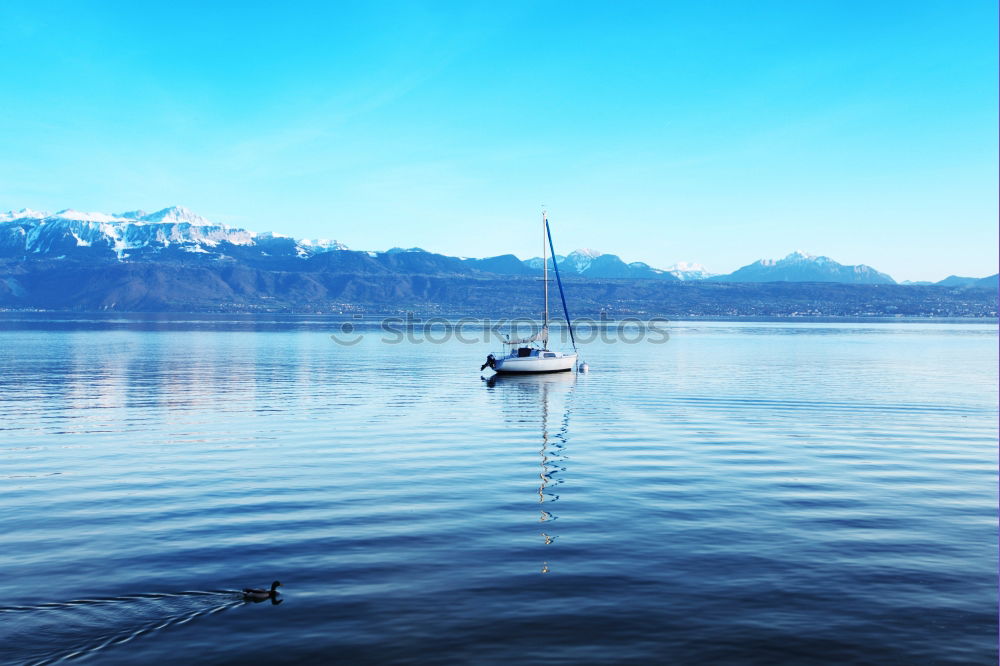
[[716, 132]]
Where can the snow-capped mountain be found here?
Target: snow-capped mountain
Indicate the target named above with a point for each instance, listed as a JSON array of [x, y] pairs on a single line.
[[175, 260], [139, 235], [536, 262], [593, 264], [578, 261], [802, 267], [177, 234], [686, 270], [23, 214]]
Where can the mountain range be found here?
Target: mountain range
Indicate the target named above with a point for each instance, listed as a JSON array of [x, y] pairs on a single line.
[[801, 267], [177, 235], [171, 233]]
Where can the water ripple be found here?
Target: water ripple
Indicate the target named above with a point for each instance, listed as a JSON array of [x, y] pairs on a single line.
[[746, 494]]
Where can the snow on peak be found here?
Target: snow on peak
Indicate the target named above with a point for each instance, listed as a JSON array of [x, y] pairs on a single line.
[[176, 214], [688, 270], [796, 257], [322, 244], [80, 216], [137, 232], [580, 260], [687, 266], [799, 255], [23, 214]]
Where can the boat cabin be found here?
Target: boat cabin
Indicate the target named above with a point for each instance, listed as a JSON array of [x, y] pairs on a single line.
[[527, 352]]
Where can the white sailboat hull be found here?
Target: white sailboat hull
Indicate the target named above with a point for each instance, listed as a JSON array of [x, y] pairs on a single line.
[[535, 364]]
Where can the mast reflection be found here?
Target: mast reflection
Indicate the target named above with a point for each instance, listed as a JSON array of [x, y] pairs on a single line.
[[549, 396]]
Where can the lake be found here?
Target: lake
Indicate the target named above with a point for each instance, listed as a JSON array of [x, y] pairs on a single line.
[[742, 493]]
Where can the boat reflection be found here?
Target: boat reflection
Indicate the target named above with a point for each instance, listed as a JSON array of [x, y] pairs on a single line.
[[549, 396]]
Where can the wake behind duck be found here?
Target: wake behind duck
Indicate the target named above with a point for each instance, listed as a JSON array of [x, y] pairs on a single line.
[[52, 632]]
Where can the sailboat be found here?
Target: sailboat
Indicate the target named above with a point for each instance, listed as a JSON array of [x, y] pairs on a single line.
[[532, 354]]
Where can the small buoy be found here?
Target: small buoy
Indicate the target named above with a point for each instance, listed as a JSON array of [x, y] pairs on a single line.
[[584, 367]]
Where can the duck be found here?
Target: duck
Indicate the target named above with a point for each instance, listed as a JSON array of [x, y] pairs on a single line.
[[260, 594]]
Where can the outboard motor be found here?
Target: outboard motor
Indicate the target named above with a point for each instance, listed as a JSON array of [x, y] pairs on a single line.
[[490, 361]]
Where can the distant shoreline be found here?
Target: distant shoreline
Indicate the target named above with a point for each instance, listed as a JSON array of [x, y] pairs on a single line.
[[373, 317]]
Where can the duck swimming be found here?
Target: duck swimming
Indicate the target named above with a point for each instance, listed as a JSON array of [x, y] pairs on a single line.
[[260, 594]]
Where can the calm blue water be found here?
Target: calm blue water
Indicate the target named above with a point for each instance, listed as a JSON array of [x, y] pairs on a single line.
[[747, 493]]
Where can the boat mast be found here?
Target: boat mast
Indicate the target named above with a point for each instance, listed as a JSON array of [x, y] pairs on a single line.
[[545, 280], [562, 294]]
